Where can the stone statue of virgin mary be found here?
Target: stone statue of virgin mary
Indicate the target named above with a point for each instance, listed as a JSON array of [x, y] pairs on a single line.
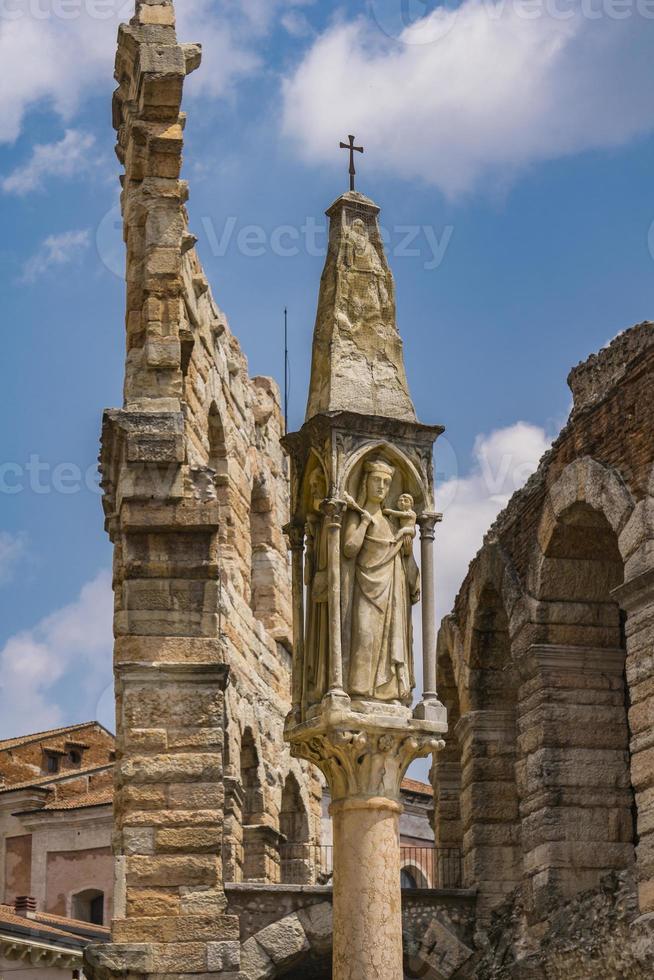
[[380, 584]]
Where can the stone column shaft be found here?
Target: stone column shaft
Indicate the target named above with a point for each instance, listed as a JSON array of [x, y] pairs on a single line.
[[333, 510], [367, 893], [429, 708], [427, 524], [296, 539]]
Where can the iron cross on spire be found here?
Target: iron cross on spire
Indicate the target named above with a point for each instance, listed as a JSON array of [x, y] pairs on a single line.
[[352, 148]]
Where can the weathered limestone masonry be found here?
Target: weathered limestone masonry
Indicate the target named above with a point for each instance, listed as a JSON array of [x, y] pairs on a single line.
[[361, 484], [546, 667], [195, 499]]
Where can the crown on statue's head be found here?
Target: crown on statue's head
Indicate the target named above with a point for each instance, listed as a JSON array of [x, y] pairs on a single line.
[[379, 466]]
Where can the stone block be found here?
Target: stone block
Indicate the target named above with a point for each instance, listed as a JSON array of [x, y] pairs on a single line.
[[317, 922], [185, 840], [165, 870], [223, 955], [284, 941]]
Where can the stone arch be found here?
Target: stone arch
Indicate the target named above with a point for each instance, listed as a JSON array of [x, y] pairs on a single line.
[[296, 866], [575, 784], [300, 945], [446, 772], [585, 481], [258, 861], [413, 482], [486, 732], [261, 542]]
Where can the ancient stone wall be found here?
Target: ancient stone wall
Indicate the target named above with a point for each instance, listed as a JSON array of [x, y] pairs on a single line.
[[546, 668], [195, 499]]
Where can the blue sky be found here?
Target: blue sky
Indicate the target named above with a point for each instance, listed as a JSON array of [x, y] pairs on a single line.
[[510, 146]]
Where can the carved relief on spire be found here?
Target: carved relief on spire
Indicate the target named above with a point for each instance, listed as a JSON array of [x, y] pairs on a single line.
[[357, 362]]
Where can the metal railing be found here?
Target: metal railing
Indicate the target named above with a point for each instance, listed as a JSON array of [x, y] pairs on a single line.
[[313, 864]]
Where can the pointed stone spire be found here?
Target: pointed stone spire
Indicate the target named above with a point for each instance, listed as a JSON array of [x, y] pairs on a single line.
[[357, 363]]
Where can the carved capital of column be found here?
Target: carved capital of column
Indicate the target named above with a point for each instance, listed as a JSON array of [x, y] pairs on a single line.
[[333, 509], [364, 762], [427, 523], [295, 535]]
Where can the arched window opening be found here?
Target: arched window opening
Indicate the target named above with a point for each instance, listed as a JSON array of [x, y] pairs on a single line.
[[295, 851], [581, 732], [255, 858], [217, 446], [252, 794], [407, 880], [262, 583], [88, 906], [492, 852], [448, 832]]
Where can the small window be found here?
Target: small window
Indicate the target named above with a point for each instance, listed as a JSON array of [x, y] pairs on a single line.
[[52, 763], [75, 757], [88, 906]]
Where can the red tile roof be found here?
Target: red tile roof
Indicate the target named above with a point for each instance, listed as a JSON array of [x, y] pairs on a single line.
[[12, 743], [45, 781], [415, 786], [98, 797], [53, 926]]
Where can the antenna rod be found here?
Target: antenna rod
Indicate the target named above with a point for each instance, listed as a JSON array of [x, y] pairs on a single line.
[[285, 370]]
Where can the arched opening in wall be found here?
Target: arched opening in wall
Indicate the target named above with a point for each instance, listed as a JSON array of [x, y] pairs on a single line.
[[218, 462], [217, 447], [448, 832], [581, 739], [88, 906], [296, 859], [262, 583], [255, 857], [411, 876], [492, 851]]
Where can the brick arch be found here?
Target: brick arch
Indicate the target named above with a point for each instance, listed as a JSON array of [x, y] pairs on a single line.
[[585, 481]]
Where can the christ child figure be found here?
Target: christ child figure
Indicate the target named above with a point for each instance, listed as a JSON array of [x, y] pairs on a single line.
[[405, 516]]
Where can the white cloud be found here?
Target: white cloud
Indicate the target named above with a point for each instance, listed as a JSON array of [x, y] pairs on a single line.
[[12, 549], [58, 61], [503, 461], [55, 250], [70, 648], [474, 93], [67, 158]]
